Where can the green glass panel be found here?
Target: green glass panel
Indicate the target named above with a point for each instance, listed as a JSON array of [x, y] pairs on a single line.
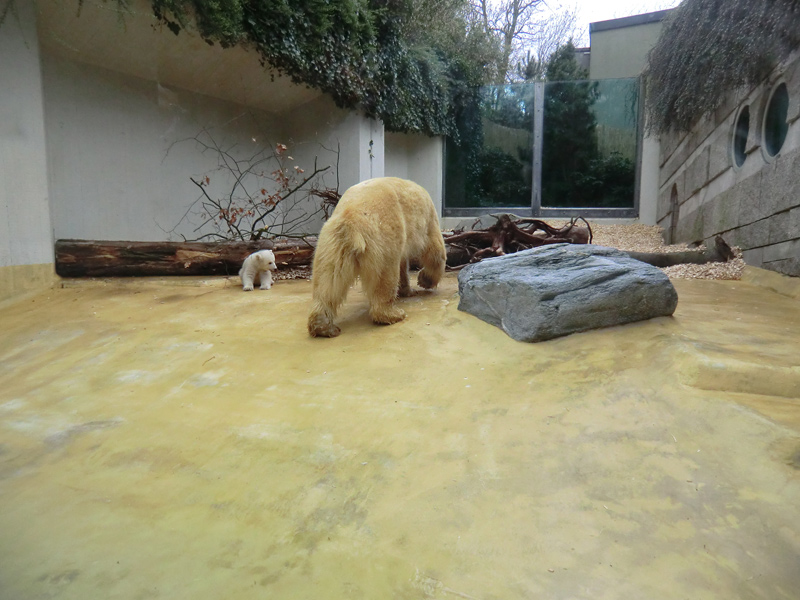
[[492, 165], [590, 138], [589, 147]]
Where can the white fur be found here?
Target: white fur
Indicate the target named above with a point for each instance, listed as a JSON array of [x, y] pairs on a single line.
[[377, 227], [258, 265]]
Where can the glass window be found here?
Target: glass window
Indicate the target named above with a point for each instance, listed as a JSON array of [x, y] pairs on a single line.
[[583, 157], [590, 143], [492, 165], [740, 134], [775, 125]]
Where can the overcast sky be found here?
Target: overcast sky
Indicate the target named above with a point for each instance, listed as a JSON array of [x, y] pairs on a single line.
[[590, 11]]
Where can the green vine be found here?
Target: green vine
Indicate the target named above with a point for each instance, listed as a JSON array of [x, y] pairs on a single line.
[[360, 52], [708, 48]]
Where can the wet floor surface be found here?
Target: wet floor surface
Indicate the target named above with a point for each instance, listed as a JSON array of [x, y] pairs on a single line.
[[184, 439]]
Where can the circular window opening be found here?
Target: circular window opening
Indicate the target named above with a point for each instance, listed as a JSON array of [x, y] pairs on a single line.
[[775, 125], [740, 136]]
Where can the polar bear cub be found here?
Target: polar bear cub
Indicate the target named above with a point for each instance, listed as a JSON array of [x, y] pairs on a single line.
[[258, 265], [377, 227]]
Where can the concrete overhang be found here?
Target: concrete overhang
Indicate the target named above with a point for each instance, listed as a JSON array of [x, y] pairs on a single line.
[[633, 21], [134, 42]]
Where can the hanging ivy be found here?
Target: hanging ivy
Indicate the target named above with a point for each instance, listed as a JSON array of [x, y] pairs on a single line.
[[708, 48], [356, 51]]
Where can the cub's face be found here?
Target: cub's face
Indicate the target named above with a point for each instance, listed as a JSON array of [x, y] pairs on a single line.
[[266, 260]]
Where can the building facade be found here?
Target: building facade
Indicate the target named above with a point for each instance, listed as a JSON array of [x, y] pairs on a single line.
[[737, 174]]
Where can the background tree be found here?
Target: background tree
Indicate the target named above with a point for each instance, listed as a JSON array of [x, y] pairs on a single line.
[[574, 173], [509, 22], [569, 138], [550, 34], [526, 33]]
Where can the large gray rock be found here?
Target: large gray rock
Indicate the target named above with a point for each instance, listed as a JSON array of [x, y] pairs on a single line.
[[555, 290]]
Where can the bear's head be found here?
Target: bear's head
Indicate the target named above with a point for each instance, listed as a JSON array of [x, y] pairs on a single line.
[[266, 260]]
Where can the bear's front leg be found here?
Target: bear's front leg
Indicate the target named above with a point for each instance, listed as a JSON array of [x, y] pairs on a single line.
[[266, 279], [247, 280]]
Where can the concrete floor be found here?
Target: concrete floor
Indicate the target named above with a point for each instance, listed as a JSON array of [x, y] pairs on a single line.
[[183, 439]]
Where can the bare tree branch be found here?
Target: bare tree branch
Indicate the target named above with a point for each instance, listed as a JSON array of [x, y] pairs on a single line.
[[263, 193]]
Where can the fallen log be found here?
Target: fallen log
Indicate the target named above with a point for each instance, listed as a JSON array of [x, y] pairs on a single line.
[[84, 258], [721, 252]]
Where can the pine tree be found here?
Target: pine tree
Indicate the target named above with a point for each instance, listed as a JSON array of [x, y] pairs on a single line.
[[569, 136]]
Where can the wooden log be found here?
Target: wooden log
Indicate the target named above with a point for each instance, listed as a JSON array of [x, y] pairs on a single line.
[[720, 252], [85, 258]]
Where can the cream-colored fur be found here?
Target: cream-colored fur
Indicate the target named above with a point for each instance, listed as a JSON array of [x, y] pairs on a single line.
[[377, 227], [259, 265]]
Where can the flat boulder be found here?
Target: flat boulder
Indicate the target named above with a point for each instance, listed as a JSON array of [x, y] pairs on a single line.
[[555, 290]]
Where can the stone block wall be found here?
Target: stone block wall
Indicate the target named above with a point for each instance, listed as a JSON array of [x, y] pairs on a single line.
[[755, 205]]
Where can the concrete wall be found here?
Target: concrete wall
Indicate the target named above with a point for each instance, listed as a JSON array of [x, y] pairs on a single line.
[[26, 249], [619, 47], [127, 108], [755, 206], [648, 184], [419, 158], [124, 99], [122, 154], [319, 130]]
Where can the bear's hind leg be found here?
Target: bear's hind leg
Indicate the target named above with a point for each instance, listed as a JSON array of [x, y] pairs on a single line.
[[404, 289], [320, 324], [328, 293], [381, 288]]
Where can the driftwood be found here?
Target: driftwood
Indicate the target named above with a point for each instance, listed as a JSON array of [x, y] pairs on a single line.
[[509, 235], [82, 258]]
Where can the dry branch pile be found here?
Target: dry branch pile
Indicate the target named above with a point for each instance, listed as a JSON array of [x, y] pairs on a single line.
[[509, 235], [642, 242]]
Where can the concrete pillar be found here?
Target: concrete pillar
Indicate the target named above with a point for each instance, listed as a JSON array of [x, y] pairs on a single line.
[[26, 243], [648, 190]]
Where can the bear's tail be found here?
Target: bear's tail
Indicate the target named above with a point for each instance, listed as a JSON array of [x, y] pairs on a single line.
[[340, 248], [340, 252]]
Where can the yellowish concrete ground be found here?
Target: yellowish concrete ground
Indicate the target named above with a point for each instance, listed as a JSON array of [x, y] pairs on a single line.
[[183, 439], [22, 280]]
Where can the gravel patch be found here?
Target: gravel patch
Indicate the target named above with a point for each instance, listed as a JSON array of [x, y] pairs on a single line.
[[647, 238], [295, 272]]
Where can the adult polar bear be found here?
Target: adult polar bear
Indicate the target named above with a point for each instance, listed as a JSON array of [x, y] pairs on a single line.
[[377, 227]]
